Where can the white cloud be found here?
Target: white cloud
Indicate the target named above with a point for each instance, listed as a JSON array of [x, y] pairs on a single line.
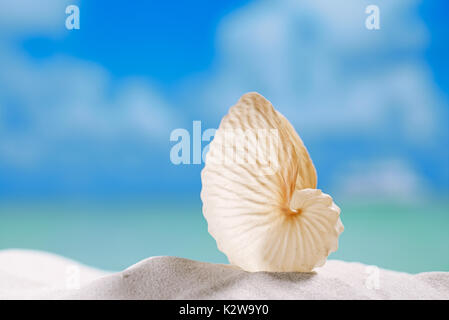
[[69, 101], [25, 17], [388, 178], [50, 104], [324, 70], [336, 81]]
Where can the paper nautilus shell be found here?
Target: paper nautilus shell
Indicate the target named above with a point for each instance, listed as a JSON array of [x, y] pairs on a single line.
[[259, 193]]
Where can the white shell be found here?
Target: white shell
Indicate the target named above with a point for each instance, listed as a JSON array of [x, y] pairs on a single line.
[[259, 193]]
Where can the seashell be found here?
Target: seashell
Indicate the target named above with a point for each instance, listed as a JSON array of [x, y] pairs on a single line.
[[259, 193]]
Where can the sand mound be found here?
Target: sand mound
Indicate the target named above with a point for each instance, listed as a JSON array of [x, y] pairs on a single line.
[[28, 274], [177, 278]]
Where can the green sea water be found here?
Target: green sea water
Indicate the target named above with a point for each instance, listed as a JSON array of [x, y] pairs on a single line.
[[398, 236]]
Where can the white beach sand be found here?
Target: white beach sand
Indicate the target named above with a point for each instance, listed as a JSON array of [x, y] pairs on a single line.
[[28, 274]]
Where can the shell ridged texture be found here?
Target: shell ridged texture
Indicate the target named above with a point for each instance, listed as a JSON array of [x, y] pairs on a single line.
[[259, 193]]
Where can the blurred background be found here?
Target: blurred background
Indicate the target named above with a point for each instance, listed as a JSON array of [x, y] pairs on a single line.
[[86, 116]]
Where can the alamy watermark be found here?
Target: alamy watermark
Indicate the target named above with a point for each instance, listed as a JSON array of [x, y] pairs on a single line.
[[372, 280], [73, 20], [372, 22], [73, 277], [258, 148]]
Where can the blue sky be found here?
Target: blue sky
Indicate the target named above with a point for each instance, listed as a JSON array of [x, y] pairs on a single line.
[[90, 111], [163, 40], [169, 41]]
